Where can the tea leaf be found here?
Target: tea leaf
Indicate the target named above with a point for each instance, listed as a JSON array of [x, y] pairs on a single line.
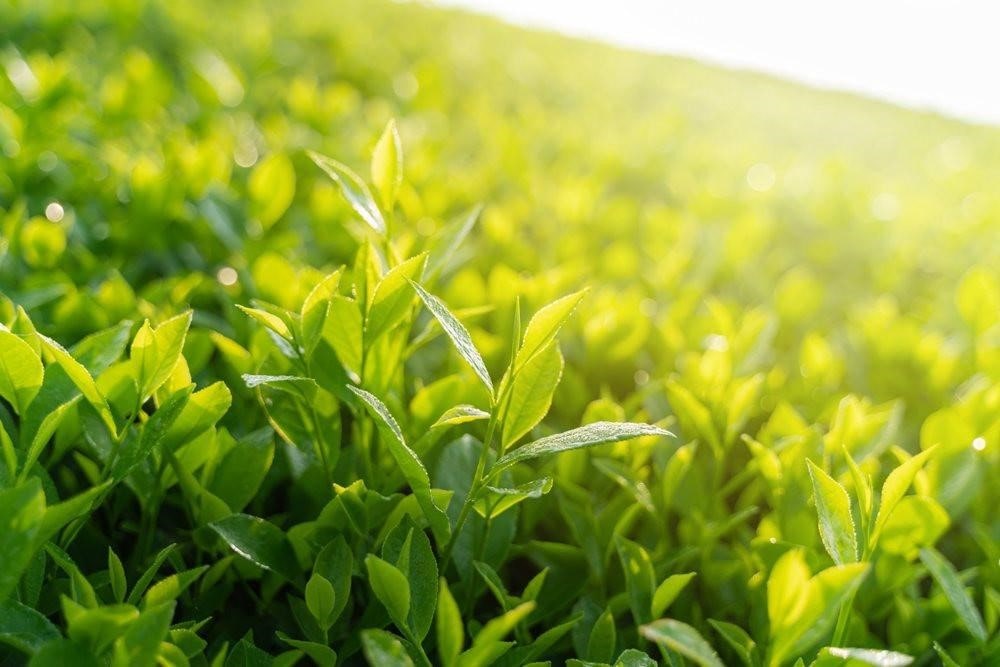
[[668, 590], [409, 463], [531, 394], [24, 628], [390, 587], [682, 638], [836, 524], [457, 333], [354, 190], [260, 542], [20, 371], [152, 433], [895, 487], [382, 648], [82, 380], [543, 327], [601, 646], [391, 301], [947, 578], [387, 165], [597, 433], [448, 626], [21, 512], [639, 578]]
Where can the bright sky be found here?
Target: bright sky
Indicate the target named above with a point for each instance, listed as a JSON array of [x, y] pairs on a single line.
[[937, 54]]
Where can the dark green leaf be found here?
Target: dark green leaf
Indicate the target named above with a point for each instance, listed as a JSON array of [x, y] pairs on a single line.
[[260, 542]]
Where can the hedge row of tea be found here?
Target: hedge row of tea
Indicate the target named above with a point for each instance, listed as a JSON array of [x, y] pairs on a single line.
[[594, 358]]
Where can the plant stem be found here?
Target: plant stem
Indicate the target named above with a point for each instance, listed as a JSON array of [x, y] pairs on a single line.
[[474, 488]]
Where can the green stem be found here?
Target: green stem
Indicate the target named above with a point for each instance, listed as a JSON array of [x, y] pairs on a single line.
[[422, 660], [477, 484]]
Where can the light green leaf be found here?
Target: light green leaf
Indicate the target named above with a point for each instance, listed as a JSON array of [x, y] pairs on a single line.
[[382, 649], [448, 242], [321, 600], [786, 588], [21, 371], [391, 301], [947, 578], [531, 394], [170, 588], [203, 409], [269, 320], [354, 190], [597, 433], [316, 307], [21, 512], [457, 333], [668, 590], [448, 625], [116, 575], [155, 352], [343, 329], [460, 414], [836, 523], [302, 387], [803, 612], [498, 500], [682, 638], [390, 587], [140, 645], [917, 521], [543, 327], [82, 380], [271, 188], [387, 165], [895, 486], [695, 419]]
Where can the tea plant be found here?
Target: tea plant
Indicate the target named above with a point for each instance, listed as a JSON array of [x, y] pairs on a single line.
[[510, 400]]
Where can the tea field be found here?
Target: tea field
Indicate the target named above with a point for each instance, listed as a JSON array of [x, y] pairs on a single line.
[[364, 332]]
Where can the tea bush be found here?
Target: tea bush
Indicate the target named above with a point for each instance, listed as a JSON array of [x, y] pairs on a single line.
[[595, 358]]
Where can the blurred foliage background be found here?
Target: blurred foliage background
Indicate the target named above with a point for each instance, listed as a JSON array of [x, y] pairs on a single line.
[[734, 227]]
